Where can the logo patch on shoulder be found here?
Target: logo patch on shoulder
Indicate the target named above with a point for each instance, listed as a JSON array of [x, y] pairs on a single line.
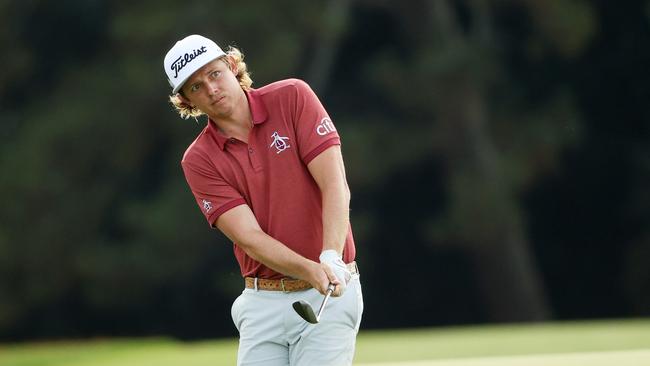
[[325, 126], [207, 205], [280, 143]]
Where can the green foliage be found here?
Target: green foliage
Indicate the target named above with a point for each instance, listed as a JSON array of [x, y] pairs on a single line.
[[568, 25]]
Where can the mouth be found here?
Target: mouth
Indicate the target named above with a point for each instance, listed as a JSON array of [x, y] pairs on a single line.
[[218, 100]]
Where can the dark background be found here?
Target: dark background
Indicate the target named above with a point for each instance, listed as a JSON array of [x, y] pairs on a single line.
[[497, 152]]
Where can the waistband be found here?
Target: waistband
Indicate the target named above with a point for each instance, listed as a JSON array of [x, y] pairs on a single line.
[[287, 284]]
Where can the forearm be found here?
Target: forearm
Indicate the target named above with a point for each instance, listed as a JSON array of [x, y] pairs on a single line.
[[336, 216], [277, 256]]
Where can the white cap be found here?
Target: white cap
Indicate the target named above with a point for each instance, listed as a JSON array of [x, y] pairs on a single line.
[[188, 55]]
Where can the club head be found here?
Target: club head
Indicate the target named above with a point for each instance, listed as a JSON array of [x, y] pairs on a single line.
[[305, 311]]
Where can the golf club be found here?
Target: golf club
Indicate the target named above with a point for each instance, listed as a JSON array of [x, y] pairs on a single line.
[[306, 312]]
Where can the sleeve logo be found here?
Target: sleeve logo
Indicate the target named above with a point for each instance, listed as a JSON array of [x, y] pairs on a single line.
[[325, 126], [207, 205]]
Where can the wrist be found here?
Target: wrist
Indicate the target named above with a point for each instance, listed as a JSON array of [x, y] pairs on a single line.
[[312, 273]]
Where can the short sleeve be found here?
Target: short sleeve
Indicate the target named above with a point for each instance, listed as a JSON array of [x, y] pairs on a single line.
[[314, 128], [212, 193]]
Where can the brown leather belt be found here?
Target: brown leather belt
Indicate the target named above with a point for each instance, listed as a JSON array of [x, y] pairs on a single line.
[[287, 284]]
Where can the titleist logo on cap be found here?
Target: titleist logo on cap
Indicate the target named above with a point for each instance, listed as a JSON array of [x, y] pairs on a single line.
[[182, 61]]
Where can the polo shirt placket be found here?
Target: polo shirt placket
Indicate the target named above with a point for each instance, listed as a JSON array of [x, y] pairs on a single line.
[[245, 153]]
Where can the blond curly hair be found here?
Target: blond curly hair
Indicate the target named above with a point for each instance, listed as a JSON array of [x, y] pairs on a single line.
[[232, 57]]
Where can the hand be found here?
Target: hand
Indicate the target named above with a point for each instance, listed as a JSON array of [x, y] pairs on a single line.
[[321, 277], [331, 259]]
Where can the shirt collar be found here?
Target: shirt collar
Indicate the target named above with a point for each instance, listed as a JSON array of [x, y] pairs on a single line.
[[258, 109], [258, 113]]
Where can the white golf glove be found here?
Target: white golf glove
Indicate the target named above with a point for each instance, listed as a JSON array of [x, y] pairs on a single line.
[[334, 261]]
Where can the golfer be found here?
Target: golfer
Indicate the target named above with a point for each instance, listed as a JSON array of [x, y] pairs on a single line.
[[267, 171]]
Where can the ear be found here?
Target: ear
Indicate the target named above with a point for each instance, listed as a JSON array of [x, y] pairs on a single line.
[[185, 100], [231, 64]]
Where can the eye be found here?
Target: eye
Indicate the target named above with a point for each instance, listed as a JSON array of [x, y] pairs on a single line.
[[215, 74], [194, 87]]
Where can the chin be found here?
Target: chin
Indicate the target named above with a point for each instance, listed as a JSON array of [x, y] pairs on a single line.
[[222, 112]]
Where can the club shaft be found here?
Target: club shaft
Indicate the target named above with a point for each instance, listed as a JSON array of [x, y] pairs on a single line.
[[327, 296]]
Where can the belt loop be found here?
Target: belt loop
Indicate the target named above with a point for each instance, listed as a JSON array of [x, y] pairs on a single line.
[[282, 284], [256, 289]]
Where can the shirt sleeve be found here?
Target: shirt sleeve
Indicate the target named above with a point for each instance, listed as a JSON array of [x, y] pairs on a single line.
[[212, 193], [315, 130]]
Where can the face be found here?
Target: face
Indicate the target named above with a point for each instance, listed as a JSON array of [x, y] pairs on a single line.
[[213, 89]]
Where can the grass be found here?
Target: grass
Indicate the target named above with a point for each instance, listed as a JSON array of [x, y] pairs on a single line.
[[503, 340], [549, 343]]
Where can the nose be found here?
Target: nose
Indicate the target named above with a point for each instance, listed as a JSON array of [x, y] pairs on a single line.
[[213, 87]]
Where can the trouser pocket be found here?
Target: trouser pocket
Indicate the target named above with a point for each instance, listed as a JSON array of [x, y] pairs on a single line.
[[359, 303], [235, 311]]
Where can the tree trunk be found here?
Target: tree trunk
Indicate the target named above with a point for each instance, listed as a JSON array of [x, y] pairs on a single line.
[[335, 21], [508, 276]]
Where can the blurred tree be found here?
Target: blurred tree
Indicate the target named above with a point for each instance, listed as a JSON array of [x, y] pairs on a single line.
[[494, 136], [335, 21], [483, 213]]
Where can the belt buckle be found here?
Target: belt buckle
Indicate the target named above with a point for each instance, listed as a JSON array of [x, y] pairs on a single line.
[[282, 285]]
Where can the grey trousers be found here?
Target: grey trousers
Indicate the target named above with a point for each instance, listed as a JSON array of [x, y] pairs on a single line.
[[272, 334]]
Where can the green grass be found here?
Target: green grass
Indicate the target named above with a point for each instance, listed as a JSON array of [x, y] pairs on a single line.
[[124, 352], [503, 340], [515, 342]]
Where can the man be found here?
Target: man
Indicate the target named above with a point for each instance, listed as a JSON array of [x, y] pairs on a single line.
[[267, 171]]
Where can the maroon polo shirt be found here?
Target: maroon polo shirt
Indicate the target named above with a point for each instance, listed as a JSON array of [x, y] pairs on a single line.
[[269, 174]]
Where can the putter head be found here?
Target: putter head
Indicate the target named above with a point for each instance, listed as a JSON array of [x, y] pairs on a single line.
[[305, 311]]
